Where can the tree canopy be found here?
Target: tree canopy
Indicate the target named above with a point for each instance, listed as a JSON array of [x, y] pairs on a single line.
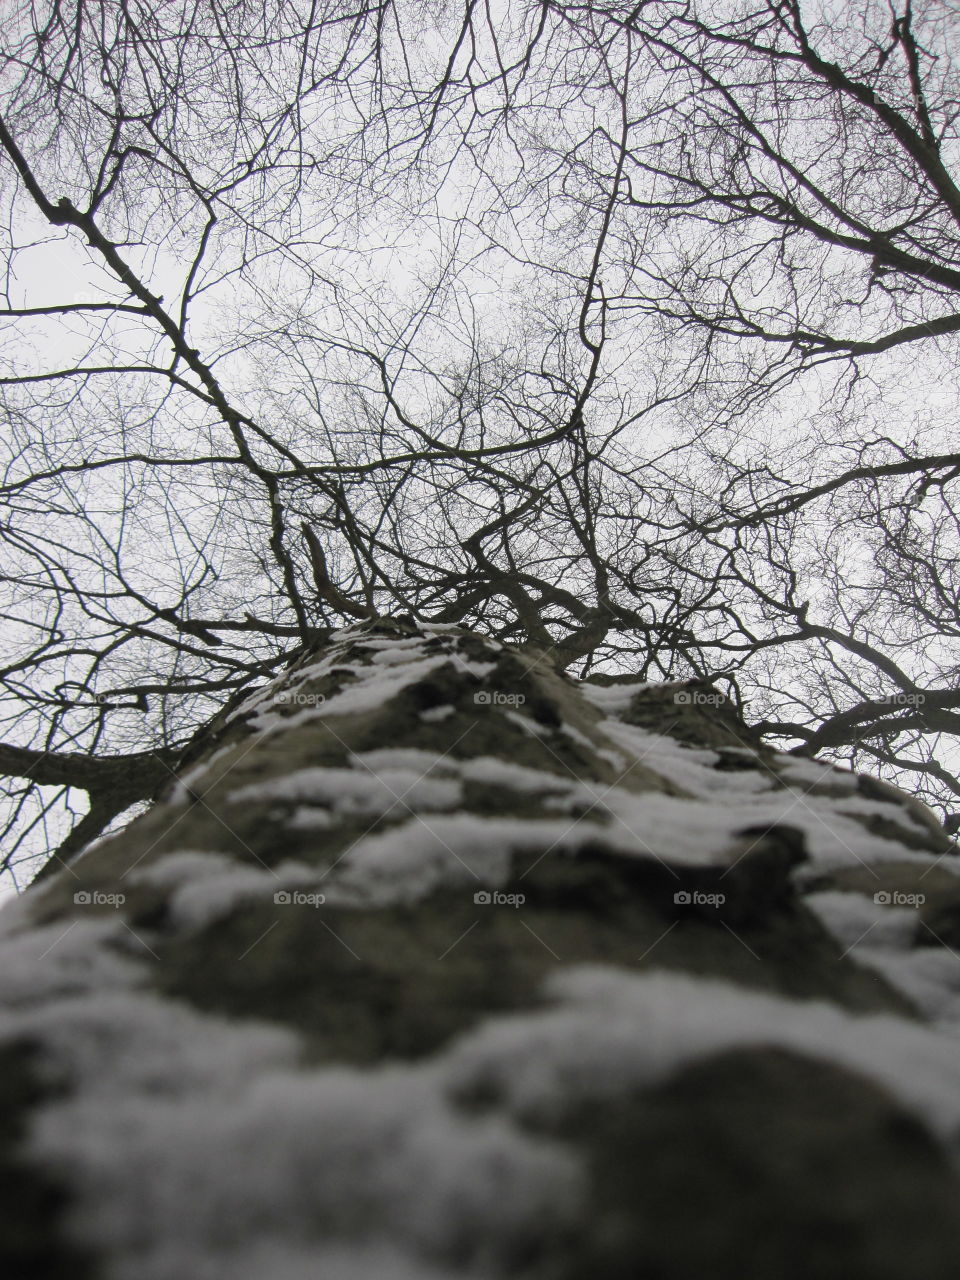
[[629, 330]]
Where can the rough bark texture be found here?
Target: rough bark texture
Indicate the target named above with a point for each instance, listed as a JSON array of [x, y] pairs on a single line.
[[599, 985]]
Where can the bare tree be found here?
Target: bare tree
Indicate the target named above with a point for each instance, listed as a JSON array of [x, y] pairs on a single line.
[[571, 324], [445, 445]]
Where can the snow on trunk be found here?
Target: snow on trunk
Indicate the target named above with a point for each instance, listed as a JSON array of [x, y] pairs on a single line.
[[433, 962]]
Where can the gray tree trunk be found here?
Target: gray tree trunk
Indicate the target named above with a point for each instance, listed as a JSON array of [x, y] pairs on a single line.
[[435, 963]]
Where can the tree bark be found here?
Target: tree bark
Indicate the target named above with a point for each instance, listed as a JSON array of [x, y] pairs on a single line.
[[433, 962]]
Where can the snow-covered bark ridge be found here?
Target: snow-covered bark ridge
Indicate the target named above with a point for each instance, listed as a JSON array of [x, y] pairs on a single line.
[[434, 962]]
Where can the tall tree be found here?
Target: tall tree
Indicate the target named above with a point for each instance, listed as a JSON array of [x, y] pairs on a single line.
[[446, 445]]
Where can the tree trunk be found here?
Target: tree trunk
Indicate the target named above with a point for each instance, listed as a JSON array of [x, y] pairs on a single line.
[[433, 962]]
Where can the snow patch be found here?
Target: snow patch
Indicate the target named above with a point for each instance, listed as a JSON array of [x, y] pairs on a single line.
[[410, 861], [199, 895], [613, 1032], [434, 714], [883, 938], [529, 727], [62, 959], [404, 758], [306, 819], [613, 698], [354, 791], [494, 772]]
